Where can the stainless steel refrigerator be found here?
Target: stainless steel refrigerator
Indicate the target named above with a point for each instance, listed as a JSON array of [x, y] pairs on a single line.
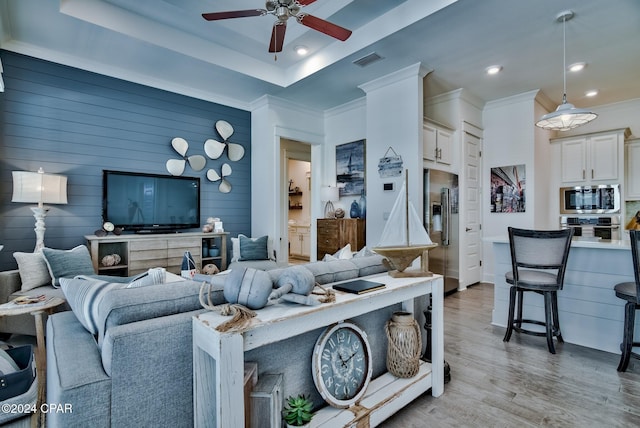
[[442, 220]]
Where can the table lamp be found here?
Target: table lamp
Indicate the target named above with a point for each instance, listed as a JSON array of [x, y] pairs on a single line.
[[40, 188], [330, 195]]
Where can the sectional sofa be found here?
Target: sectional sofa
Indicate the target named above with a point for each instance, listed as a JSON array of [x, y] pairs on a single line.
[[133, 366]]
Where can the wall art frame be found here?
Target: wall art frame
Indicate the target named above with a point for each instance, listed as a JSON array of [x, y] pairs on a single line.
[[351, 167]]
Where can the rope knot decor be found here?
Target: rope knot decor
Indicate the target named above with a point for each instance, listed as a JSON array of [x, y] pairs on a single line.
[[241, 314]]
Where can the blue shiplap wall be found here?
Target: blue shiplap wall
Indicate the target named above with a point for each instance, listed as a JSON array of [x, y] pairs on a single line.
[[77, 123]]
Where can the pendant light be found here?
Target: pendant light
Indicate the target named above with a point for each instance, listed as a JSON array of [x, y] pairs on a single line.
[[566, 116]]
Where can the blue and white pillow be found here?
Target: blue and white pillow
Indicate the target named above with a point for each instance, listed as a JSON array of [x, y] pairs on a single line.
[[84, 296]]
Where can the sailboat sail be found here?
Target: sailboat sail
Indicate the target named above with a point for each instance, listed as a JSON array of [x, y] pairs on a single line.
[[395, 230]]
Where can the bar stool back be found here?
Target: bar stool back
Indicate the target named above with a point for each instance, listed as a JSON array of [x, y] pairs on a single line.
[[539, 260], [630, 292]]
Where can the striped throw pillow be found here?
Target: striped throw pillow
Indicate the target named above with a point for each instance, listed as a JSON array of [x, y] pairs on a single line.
[[84, 296]]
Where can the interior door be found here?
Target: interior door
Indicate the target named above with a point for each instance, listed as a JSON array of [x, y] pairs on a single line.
[[471, 238]]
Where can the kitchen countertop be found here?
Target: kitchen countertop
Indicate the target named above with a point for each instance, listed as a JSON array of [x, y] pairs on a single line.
[[576, 243]]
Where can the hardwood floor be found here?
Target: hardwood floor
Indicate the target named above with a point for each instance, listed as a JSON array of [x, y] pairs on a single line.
[[519, 383]]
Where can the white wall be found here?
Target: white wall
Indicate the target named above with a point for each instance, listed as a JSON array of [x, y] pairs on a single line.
[[393, 118], [271, 120], [508, 140]]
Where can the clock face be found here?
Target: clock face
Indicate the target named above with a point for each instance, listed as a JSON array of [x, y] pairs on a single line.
[[108, 226], [342, 364]]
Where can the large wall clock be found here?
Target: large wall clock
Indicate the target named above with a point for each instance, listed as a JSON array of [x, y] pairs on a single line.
[[342, 364]]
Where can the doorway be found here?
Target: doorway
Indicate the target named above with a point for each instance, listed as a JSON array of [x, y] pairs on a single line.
[[297, 188]]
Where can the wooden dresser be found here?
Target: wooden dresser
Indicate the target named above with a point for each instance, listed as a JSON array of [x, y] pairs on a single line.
[[334, 234]]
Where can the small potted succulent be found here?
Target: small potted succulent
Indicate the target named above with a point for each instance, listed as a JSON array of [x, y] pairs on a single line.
[[297, 411]]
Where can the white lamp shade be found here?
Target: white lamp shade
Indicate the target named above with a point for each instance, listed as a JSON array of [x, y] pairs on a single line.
[[329, 194], [38, 187]]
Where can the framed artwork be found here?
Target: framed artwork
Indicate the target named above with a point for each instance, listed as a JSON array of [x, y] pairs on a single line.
[[508, 186], [350, 168]]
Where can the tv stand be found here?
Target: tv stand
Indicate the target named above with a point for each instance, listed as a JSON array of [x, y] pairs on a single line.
[[155, 231], [141, 251]]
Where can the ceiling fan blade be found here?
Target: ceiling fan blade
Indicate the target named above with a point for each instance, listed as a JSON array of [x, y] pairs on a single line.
[[277, 36], [214, 16], [323, 26], [305, 2]]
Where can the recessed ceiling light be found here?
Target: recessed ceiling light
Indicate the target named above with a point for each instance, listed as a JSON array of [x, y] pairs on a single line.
[[301, 50], [494, 69], [591, 93], [577, 66]]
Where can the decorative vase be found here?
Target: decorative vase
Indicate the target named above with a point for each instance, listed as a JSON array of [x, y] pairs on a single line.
[[405, 345], [363, 205], [355, 209]]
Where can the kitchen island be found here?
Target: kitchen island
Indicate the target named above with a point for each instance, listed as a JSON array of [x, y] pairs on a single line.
[[590, 313]]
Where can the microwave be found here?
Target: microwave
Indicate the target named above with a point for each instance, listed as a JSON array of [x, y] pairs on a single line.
[[596, 199]]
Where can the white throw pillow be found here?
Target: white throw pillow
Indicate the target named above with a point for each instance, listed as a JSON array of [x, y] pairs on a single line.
[[151, 277], [33, 270], [344, 253]]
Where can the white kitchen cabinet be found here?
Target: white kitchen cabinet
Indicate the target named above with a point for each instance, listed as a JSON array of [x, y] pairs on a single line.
[[592, 158], [299, 241], [437, 143], [632, 169]]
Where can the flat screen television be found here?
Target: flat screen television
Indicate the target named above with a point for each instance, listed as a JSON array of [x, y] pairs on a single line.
[[150, 202]]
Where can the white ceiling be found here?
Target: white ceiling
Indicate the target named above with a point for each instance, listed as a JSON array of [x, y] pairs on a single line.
[[167, 44]]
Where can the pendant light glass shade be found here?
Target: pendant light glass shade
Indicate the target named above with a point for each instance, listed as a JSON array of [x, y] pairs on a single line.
[[566, 116]]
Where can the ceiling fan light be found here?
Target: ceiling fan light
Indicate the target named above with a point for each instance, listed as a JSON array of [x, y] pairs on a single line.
[[565, 117]]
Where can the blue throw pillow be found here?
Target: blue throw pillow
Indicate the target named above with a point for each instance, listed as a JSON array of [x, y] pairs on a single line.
[[67, 263], [253, 248]]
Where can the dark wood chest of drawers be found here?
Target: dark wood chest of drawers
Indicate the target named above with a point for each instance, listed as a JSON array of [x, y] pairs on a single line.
[[334, 234]]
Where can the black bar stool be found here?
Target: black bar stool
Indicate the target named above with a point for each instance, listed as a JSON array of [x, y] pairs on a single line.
[[630, 291], [534, 254]]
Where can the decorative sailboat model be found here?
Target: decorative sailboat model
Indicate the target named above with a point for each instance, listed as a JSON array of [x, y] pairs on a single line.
[[404, 238]]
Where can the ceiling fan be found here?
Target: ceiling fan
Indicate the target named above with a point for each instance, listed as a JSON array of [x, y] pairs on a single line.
[[283, 10]]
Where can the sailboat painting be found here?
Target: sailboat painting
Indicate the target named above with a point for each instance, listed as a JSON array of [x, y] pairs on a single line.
[[350, 167], [404, 238]]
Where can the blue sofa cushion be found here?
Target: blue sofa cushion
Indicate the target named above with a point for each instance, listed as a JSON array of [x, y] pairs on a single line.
[[337, 270], [67, 263]]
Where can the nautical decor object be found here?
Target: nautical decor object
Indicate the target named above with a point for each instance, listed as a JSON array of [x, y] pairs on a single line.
[[404, 238], [176, 166]]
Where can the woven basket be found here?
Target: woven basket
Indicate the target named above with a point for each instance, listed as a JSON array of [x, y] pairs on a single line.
[[405, 345]]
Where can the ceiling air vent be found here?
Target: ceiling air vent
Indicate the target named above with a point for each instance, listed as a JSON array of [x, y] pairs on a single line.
[[367, 59]]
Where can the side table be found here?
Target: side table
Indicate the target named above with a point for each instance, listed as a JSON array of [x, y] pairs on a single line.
[[37, 310]]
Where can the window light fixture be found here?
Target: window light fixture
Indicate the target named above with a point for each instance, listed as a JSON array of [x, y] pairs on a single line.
[[566, 116]]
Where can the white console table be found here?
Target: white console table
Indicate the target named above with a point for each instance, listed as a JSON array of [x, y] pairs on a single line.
[[218, 358]]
